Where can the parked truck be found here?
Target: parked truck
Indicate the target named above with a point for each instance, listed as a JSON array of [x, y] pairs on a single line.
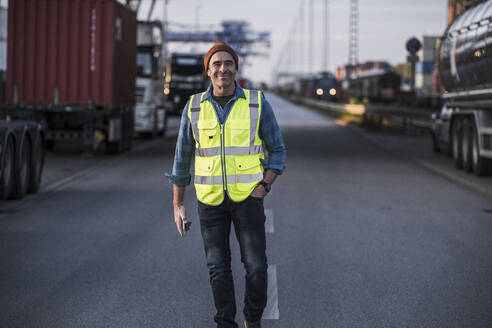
[[184, 77], [71, 66], [464, 126], [150, 115]]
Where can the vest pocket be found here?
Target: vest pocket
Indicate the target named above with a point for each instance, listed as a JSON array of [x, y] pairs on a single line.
[[248, 172], [207, 128], [204, 165], [246, 164], [240, 133]]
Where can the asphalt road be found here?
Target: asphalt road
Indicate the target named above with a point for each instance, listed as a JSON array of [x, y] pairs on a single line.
[[360, 236]]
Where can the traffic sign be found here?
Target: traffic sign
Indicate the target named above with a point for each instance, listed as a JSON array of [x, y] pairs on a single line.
[[413, 45]]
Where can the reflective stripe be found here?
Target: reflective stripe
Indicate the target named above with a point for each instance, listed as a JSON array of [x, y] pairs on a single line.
[[205, 152], [195, 115], [253, 115], [244, 178], [215, 151], [208, 180], [195, 104], [217, 179], [244, 150]]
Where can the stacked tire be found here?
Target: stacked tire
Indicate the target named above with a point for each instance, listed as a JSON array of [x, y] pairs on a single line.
[[22, 153]]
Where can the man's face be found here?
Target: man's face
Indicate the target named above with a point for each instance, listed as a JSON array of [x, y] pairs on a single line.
[[222, 69]]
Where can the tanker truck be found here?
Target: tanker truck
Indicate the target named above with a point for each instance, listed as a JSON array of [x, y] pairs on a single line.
[[464, 126]]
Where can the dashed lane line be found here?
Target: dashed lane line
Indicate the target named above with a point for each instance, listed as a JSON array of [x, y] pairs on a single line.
[[271, 310], [269, 221]]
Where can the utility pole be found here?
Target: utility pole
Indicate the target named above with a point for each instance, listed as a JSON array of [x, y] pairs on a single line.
[[301, 39], [311, 32], [164, 29], [354, 33], [197, 17], [325, 39]]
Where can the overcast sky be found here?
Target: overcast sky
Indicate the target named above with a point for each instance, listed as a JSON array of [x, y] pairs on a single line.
[[384, 26]]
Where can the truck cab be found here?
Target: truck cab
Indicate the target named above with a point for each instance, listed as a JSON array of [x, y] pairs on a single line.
[[184, 77], [150, 116]]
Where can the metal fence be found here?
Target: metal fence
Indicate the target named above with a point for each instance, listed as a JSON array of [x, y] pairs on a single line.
[[394, 115]]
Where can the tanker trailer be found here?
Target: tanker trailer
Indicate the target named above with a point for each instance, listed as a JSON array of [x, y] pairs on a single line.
[[464, 126]]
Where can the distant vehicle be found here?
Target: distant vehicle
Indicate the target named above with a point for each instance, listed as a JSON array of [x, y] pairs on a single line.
[[323, 86], [376, 85], [319, 86], [464, 126], [150, 116], [184, 77], [79, 84]]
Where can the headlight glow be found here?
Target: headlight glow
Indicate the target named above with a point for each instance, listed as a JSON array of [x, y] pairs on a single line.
[[319, 92]]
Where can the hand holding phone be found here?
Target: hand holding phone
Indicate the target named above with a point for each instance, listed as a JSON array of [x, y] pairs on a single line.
[[186, 226]]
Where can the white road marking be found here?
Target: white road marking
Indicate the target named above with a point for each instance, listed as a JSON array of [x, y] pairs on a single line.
[[269, 221], [271, 310]]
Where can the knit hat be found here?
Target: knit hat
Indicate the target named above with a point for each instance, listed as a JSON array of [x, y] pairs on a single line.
[[220, 46]]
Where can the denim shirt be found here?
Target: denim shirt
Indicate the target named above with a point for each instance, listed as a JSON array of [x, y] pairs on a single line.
[[268, 131]]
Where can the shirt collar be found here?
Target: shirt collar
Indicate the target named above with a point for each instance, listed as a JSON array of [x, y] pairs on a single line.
[[238, 93]]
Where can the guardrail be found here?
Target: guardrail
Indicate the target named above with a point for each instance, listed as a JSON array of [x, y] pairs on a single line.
[[404, 117]]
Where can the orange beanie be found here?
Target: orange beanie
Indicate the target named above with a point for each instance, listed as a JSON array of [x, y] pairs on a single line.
[[219, 46]]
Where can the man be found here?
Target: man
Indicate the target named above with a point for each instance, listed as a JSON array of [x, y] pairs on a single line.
[[227, 128]]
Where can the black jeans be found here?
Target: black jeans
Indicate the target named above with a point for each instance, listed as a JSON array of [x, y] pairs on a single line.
[[248, 218]]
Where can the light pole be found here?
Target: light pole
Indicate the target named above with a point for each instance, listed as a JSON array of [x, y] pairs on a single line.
[[164, 31], [197, 17]]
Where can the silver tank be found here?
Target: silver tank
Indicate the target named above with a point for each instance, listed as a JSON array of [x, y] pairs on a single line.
[[465, 56]]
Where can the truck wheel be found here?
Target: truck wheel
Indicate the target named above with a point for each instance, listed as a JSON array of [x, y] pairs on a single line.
[[7, 164], [481, 166], [22, 171], [456, 144], [466, 145], [114, 148], [36, 167], [435, 144], [164, 128], [130, 128], [50, 144]]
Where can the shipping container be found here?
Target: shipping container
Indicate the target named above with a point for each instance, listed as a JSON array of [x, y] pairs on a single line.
[[3, 52], [71, 63], [71, 52]]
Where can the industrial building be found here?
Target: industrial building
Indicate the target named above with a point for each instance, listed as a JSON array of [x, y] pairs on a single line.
[[456, 7]]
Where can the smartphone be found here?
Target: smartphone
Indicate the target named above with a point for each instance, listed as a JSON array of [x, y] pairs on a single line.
[[186, 227]]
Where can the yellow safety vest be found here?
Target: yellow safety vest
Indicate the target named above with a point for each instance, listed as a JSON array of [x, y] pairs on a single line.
[[227, 156]]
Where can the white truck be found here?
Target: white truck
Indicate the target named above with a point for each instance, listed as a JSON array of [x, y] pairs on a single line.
[[150, 116], [464, 126]]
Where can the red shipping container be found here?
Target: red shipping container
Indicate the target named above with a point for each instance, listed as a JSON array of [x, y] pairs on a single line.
[[71, 52]]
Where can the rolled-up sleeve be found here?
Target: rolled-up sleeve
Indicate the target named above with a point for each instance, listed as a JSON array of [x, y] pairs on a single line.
[[183, 155], [269, 131]]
